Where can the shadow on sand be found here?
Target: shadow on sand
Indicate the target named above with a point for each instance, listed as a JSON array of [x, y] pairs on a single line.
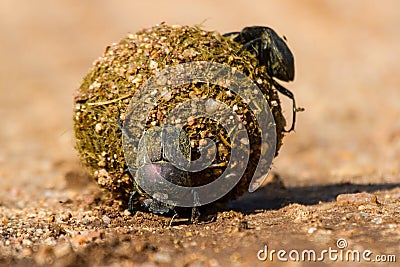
[[275, 195]]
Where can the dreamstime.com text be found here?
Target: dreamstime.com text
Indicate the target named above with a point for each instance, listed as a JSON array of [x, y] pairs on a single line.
[[338, 254]]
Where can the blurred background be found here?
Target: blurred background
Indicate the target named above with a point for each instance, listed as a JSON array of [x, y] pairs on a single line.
[[347, 56]]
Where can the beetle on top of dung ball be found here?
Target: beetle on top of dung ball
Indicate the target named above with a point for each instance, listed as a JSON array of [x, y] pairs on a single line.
[[271, 51]]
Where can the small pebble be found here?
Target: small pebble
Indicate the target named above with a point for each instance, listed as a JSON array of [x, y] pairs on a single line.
[[106, 219], [26, 242], [312, 230], [98, 127], [62, 250], [191, 121], [92, 235], [356, 199], [127, 213], [377, 220], [189, 234], [153, 64], [79, 239], [161, 257], [64, 217], [213, 263], [211, 106], [360, 215]]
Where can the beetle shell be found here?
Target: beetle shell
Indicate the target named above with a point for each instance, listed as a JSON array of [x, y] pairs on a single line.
[[279, 58], [152, 160]]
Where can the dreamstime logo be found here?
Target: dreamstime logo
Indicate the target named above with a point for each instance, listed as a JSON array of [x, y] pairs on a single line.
[[341, 243], [340, 253], [161, 85]]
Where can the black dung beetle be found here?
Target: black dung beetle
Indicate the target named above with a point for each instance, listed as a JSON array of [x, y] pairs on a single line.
[[271, 51], [155, 146]]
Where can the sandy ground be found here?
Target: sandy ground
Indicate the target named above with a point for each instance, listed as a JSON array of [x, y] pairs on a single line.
[[347, 63]]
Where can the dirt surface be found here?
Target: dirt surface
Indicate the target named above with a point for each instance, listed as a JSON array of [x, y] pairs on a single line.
[[347, 141]]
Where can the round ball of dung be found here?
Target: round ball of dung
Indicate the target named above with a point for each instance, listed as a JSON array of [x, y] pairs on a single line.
[[101, 103]]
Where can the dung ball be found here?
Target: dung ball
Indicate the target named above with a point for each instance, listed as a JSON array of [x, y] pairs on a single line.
[[102, 100]]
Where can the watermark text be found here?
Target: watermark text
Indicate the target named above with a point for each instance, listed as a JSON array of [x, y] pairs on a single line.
[[339, 253]]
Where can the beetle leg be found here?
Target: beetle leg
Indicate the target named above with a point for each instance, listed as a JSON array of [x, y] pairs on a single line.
[[121, 125], [246, 45], [289, 94], [195, 215], [175, 215], [131, 202], [125, 133], [230, 33], [195, 211]]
